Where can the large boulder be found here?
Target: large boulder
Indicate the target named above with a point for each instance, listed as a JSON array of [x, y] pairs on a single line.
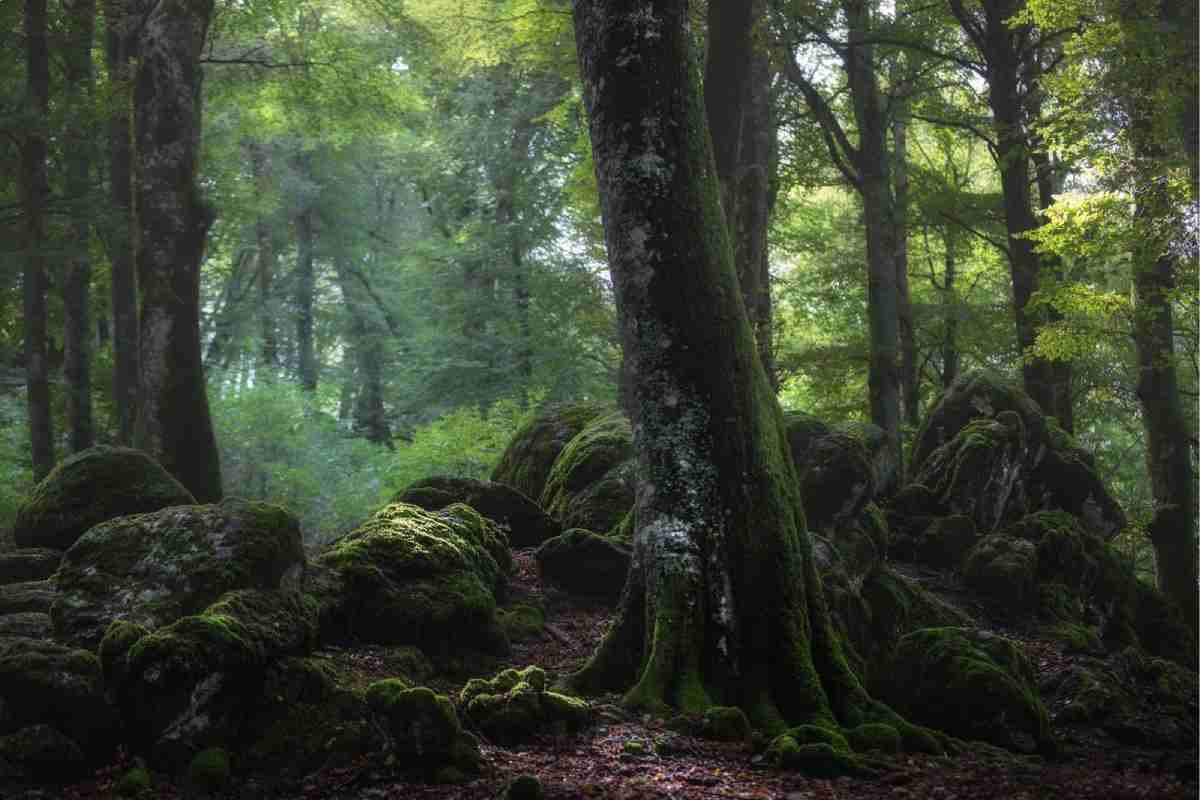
[[585, 563], [526, 462], [591, 484], [154, 568], [411, 576], [90, 487], [29, 564], [526, 524], [422, 727], [190, 685], [970, 684], [35, 596], [986, 450]]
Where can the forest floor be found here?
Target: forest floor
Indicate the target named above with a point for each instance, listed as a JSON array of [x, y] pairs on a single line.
[[624, 757]]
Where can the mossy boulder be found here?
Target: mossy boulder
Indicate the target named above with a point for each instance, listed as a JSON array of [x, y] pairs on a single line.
[[29, 624], [409, 576], [36, 596], [591, 484], [30, 564], [529, 457], [815, 750], [944, 542], [522, 621], [885, 467], [422, 726], [210, 770], [837, 480], [154, 568], [726, 724], [523, 520], [967, 683], [1002, 572], [46, 683], [877, 736], [895, 605], [515, 704], [524, 787], [42, 753], [189, 685], [90, 487], [585, 563]]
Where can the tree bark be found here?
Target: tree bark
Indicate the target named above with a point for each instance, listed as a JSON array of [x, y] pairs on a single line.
[[264, 258], [173, 422], [35, 194], [737, 100], [950, 352], [77, 339], [910, 387], [722, 604], [305, 285], [366, 341], [120, 17]]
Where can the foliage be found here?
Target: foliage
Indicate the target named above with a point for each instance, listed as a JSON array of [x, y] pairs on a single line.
[[16, 474]]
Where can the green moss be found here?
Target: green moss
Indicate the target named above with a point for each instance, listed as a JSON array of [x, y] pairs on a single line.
[[1003, 571], [1074, 637], [515, 703], [818, 759], [529, 457], [210, 769], [874, 736], [134, 783], [422, 726], [120, 637], [726, 724], [522, 621], [588, 486], [524, 787]]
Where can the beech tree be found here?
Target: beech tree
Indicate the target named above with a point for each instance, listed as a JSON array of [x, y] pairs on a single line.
[[723, 603], [173, 422]]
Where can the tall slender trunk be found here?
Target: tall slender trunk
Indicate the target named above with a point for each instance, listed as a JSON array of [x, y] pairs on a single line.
[[119, 19], [950, 351], [173, 422], [35, 194], [909, 378], [264, 258], [738, 107], [81, 22], [305, 285], [366, 341], [507, 185]]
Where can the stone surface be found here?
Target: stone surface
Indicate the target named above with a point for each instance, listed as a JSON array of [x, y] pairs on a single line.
[[585, 563], [523, 520]]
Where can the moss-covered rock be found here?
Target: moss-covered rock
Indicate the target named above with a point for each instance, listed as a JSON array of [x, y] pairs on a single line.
[[968, 683], [837, 480], [1002, 571], [30, 564], [524, 787], [27, 596], [877, 736], [885, 467], [28, 624], [591, 484], [529, 457], [423, 726], [135, 783], [523, 520], [515, 703], [414, 577], [522, 621], [210, 770], [42, 682], [155, 568], [726, 724], [43, 753], [895, 606], [944, 542], [585, 563], [190, 685], [816, 750], [90, 487]]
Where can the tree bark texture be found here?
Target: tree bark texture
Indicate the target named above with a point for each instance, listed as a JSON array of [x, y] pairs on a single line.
[[173, 422], [35, 195], [264, 258], [722, 603], [366, 337], [737, 99], [910, 387], [305, 284], [77, 339], [1007, 52], [120, 19]]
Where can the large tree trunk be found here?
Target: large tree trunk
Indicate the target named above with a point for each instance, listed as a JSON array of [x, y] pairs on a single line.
[[909, 378], [737, 98], [77, 341], [173, 422], [35, 194], [722, 604], [119, 20], [305, 284], [367, 336]]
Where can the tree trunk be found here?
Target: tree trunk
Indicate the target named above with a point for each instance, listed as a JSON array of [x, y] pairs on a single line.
[[366, 341], [737, 97], [950, 352], [265, 258], [722, 604], [173, 422], [909, 378], [77, 339], [35, 194], [120, 18], [305, 285]]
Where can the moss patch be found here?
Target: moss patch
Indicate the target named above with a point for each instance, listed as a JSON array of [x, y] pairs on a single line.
[[726, 724], [591, 483], [423, 726], [529, 457], [515, 703], [1002, 571], [210, 770]]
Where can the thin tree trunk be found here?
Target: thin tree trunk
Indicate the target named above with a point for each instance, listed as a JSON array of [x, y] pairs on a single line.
[[218, 352], [305, 286], [81, 21], [738, 107], [173, 422], [118, 51], [950, 351], [265, 258], [909, 378], [35, 194], [366, 338]]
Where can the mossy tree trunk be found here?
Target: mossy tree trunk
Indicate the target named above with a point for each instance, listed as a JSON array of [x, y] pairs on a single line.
[[173, 422], [722, 603], [306, 280]]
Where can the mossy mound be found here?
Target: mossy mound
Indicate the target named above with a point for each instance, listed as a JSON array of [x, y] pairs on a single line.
[[837, 480], [422, 726], [154, 568], [90, 487], [875, 736], [726, 724], [42, 753], [515, 704], [522, 621], [30, 564], [523, 520], [1002, 571], [969, 684], [815, 750], [585, 563], [591, 484], [410, 576], [29, 596], [941, 542], [190, 685], [210, 770], [45, 683], [529, 457]]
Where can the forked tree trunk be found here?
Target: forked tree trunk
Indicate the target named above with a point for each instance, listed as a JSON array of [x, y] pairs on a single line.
[[722, 603], [35, 194], [173, 422]]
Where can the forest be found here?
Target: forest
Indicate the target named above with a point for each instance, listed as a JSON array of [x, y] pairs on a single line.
[[599, 399]]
